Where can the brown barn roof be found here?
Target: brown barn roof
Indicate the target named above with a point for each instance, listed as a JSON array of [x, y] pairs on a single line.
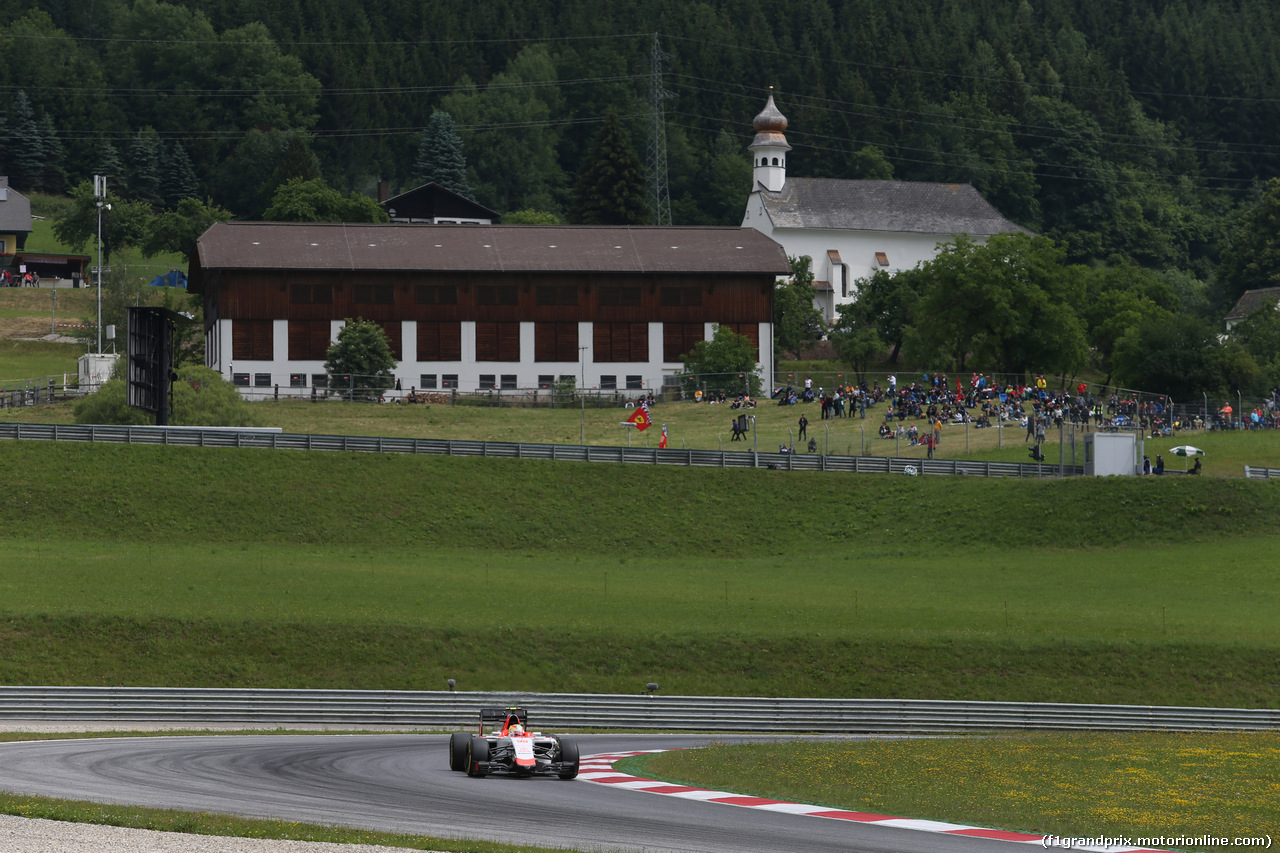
[[485, 248]]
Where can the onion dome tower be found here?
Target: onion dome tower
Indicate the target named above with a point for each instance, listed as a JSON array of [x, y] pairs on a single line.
[[769, 148]]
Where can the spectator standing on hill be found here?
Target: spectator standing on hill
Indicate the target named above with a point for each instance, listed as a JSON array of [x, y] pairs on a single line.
[[804, 425]]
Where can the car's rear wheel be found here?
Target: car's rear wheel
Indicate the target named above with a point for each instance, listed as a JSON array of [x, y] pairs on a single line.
[[477, 756], [569, 758], [458, 750]]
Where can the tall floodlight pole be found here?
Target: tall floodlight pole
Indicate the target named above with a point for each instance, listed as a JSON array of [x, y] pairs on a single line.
[[100, 194]]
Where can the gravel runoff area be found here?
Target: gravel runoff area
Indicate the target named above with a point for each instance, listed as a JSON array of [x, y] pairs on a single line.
[[28, 835]]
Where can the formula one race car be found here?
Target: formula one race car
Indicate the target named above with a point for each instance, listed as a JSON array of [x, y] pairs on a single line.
[[510, 747]]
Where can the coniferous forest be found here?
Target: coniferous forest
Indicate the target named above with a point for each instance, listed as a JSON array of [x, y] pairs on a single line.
[[1134, 134]]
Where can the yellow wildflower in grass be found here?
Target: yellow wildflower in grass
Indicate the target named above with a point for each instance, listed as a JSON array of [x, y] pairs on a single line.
[[1062, 783]]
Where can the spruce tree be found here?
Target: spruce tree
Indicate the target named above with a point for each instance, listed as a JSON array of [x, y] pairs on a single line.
[[26, 147], [177, 176], [610, 189], [440, 158], [53, 177], [143, 165], [109, 165]]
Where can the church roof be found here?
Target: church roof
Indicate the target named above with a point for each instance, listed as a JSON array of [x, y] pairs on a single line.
[[902, 206], [1252, 300]]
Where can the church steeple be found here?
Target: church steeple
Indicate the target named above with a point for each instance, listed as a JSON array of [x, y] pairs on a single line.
[[769, 148]]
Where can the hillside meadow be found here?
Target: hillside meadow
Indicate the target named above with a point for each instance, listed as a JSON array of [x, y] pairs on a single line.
[[153, 565]]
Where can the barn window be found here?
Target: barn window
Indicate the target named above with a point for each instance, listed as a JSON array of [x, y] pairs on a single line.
[[505, 294], [627, 297], [555, 341], [439, 341], [252, 339], [436, 294], [311, 294], [374, 294], [557, 295], [497, 341], [620, 341]]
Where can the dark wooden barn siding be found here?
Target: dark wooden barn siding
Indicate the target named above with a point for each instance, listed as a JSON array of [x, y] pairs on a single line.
[[251, 339], [490, 297]]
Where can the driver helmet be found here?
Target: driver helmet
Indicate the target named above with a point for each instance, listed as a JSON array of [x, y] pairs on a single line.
[[517, 729]]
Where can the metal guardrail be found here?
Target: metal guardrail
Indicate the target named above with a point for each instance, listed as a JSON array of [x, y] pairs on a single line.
[[223, 437], [551, 711], [1252, 472]]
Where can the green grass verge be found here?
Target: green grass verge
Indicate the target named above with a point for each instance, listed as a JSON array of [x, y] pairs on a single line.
[[1069, 784], [205, 823]]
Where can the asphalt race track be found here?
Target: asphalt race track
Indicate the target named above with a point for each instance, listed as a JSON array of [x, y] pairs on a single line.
[[402, 783]]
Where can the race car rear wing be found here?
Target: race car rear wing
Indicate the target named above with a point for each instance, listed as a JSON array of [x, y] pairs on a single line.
[[503, 717]]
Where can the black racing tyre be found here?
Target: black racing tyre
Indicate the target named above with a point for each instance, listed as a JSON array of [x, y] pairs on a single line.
[[569, 758], [458, 750], [477, 756]]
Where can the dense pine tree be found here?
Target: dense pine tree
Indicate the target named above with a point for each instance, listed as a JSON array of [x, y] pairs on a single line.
[[109, 165], [610, 189], [440, 157], [25, 149], [143, 165], [177, 176]]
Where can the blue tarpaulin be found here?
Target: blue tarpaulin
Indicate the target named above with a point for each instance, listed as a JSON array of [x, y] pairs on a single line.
[[173, 278]]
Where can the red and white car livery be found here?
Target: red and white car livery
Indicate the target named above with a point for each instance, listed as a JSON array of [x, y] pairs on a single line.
[[510, 747]]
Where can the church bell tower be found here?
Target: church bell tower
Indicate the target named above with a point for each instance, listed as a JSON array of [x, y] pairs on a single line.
[[769, 148]]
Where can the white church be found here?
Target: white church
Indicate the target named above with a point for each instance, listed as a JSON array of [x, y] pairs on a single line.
[[850, 229]]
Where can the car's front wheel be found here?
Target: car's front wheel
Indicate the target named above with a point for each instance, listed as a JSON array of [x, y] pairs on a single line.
[[569, 758], [477, 756], [458, 750]]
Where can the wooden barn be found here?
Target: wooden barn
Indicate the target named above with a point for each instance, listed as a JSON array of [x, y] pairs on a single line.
[[477, 307]]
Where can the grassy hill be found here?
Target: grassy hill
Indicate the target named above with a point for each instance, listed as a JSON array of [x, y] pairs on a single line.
[[151, 565]]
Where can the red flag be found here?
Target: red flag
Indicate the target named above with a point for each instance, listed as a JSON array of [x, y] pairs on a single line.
[[640, 417], [662, 443]]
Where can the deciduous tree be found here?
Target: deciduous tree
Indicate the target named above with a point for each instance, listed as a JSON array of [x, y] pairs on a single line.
[[726, 363], [316, 201], [361, 359], [796, 321]]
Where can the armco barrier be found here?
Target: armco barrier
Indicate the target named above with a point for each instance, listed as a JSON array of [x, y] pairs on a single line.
[[454, 710], [222, 437], [1254, 473]]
